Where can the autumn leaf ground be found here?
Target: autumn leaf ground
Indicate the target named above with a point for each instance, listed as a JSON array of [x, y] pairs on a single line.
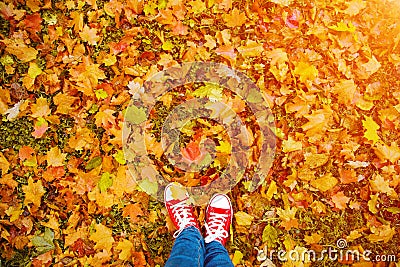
[[330, 70]]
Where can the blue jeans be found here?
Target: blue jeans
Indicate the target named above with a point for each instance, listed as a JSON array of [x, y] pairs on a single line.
[[190, 250]]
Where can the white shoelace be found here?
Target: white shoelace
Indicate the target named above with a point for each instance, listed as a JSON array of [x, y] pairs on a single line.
[[216, 227], [182, 215]]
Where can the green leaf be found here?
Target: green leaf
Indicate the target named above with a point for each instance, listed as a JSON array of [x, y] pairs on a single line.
[[93, 163], [162, 4], [101, 94], [150, 9], [135, 115], [6, 60], [210, 90], [393, 210], [105, 182], [270, 235], [150, 188], [167, 45], [44, 243], [34, 70], [120, 157], [254, 96]]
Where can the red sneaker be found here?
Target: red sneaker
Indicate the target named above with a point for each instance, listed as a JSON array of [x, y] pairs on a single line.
[[218, 219], [180, 211]]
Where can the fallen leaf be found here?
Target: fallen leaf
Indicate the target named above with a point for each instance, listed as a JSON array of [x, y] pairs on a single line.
[[354, 7], [126, 247], [54, 157], [306, 72], [324, 183], [33, 192], [371, 128], [235, 18], [89, 35], [385, 152], [243, 218], [340, 200], [102, 238], [237, 257]]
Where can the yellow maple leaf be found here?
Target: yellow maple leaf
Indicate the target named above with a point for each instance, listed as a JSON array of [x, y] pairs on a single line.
[[20, 50], [369, 68], [64, 103], [306, 71], [34, 70], [325, 183], [126, 249], [243, 219], [291, 145], [40, 108], [109, 60], [354, 7], [314, 238], [235, 18], [316, 160], [224, 147], [33, 192], [383, 233], [89, 35], [251, 49], [4, 164], [55, 157], [379, 184], [385, 152], [371, 127], [102, 238], [343, 27]]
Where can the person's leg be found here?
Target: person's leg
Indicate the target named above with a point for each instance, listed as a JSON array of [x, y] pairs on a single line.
[[188, 249], [218, 220], [217, 255]]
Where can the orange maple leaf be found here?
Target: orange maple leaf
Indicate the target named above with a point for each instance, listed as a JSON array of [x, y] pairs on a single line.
[[33, 192], [26, 152], [235, 18], [134, 211], [89, 35], [102, 237], [340, 200]]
